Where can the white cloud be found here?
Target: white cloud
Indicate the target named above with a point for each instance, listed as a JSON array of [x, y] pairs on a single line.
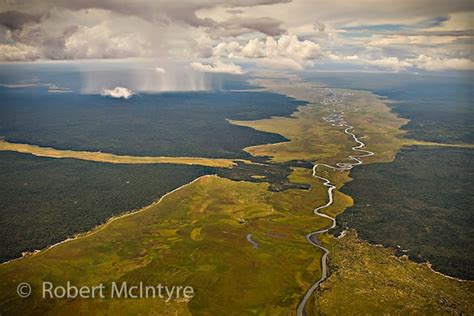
[[282, 62], [218, 67], [387, 40], [18, 52], [117, 92], [344, 58], [226, 49], [439, 64], [288, 51], [101, 41], [424, 62], [160, 70], [379, 35], [385, 63], [389, 63]]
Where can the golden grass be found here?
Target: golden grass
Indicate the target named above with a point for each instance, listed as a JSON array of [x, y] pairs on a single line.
[[111, 158], [413, 142]]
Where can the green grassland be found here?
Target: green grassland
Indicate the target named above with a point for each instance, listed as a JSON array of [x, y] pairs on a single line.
[[381, 131], [46, 200], [371, 280], [312, 139], [195, 236]]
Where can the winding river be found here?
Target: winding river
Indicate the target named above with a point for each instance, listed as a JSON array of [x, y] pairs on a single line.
[[336, 119], [253, 242]]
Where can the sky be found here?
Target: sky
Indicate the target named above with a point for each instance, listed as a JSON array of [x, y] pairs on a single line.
[[226, 36]]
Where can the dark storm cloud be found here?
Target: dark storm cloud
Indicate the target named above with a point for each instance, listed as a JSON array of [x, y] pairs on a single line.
[[159, 11], [66, 38], [240, 25], [14, 20]]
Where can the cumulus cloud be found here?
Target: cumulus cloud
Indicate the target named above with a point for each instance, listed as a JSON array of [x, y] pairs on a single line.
[[100, 41], [439, 64], [218, 67], [275, 33], [389, 63], [423, 62], [117, 92], [288, 51], [77, 29], [343, 58], [384, 63], [18, 52]]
